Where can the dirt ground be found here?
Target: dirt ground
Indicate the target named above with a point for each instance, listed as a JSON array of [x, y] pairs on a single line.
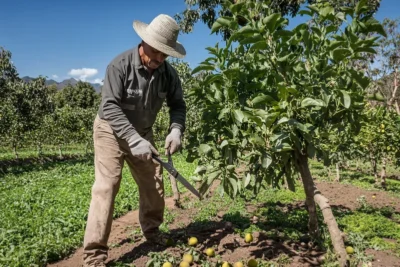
[[231, 248]]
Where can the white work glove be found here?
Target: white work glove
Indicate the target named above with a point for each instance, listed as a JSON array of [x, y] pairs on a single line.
[[173, 141], [141, 148]]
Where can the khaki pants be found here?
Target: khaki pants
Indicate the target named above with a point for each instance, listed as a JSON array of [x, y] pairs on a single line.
[[110, 154]]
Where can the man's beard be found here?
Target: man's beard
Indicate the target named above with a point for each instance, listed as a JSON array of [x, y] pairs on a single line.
[[153, 64]]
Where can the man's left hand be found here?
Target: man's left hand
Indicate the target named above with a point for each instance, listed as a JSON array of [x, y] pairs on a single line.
[[173, 141]]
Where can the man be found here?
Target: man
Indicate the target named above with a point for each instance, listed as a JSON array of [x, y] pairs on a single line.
[[136, 84]]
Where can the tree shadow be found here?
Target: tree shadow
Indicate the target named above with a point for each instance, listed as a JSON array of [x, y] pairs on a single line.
[[282, 230], [43, 163]]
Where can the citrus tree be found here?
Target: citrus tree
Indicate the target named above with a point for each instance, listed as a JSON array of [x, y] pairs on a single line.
[[380, 139], [270, 93]]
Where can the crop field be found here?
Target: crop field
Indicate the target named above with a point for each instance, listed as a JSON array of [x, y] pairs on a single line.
[[45, 205]]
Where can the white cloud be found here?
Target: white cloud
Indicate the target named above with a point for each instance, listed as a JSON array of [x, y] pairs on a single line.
[[54, 76], [100, 81], [82, 74]]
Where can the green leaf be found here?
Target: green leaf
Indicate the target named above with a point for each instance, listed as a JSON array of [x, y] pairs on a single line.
[[270, 21], [346, 99], [247, 180], [270, 118], [261, 45], [362, 80], [312, 102], [238, 114], [234, 186], [327, 11], [252, 39], [334, 44], [262, 99], [224, 143], [340, 53], [305, 12], [290, 182], [200, 170], [221, 22], [266, 160], [223, 112], [203, 67], [365, 50], [204, 149], [235, 8], [361, 5], [248, 29]]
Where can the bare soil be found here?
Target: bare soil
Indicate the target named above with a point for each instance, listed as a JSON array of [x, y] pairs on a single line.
[[128, 247]]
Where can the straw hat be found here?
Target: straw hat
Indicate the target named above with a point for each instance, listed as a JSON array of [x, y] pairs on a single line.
[[161, 34]]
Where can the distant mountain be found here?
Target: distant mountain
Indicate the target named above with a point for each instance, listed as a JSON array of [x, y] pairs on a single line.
[[61, 85]]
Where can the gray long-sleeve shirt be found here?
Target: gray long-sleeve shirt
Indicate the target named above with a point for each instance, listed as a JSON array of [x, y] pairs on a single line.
[[131, 99]]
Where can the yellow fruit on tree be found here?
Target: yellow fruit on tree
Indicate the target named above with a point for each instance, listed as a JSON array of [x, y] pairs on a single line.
[[248, 238], [193, 241], [184, 264], [210, 252], [252, 263], [167, 264], [226, 264], [349, 250], [383, 130], [188, 258], [238, 264], [382, 126]]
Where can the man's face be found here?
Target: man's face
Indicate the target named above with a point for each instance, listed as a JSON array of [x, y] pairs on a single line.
[[151, 57]]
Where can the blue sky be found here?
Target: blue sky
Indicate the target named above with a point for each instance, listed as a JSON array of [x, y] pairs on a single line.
[[79, 38]]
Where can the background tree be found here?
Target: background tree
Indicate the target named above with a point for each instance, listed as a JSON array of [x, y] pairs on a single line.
[[385, 69], [81, 95]]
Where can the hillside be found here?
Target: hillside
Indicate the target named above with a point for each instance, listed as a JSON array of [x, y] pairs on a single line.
[[64, 83]]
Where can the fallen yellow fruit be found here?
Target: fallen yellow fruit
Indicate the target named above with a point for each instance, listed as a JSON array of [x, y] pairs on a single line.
[[167, 264], [193, 241], [184, 264], [226, 264], [252, 263], [350, 250], [188, 258], [210, 252], [238, 264], [248, 238]]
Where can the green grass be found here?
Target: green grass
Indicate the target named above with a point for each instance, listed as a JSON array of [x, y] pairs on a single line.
[[44, 208]]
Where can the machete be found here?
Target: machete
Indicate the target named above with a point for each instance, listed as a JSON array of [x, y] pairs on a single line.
[[170, 168]]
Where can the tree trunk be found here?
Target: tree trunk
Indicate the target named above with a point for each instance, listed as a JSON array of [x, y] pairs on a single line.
[[337, 172], [60, 152], [393, 96], [373, 165], [175, 190], [174, 186], [15, 151], [383, 173], [40, 151], [396, 105], [314, 196]]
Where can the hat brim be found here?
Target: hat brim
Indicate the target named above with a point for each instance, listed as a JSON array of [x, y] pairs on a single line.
[[178, 51]]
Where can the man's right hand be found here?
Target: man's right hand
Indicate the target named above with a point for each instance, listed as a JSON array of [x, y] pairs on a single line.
[[141, 148]]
